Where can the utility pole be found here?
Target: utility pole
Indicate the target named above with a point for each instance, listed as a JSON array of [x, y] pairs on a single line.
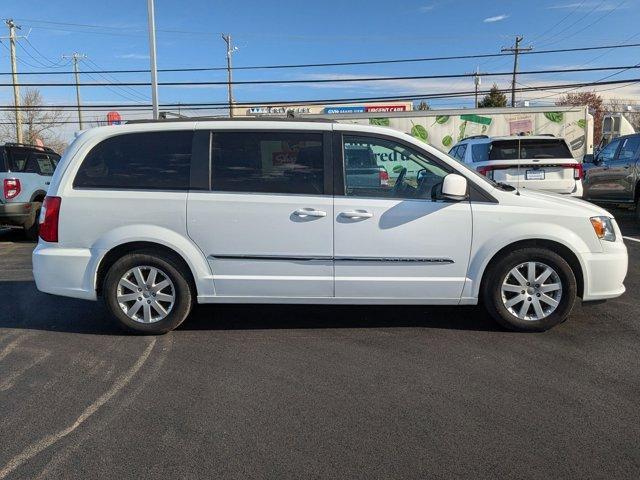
[[230, 50], [14, 76], [75, 57], [477, 81], [152, 57], [516, 51]]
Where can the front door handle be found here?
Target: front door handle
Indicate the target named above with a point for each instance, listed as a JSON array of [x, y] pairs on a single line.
[[357, 214], [309, 212]]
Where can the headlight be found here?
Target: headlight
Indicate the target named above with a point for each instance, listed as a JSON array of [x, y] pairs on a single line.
[[603, 228]]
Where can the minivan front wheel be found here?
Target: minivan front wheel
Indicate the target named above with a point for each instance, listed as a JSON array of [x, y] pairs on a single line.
[[532, 289], [147, 292]]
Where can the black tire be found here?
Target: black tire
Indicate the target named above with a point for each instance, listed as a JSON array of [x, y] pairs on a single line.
[[32, 228], [498, 271], [172, 268]]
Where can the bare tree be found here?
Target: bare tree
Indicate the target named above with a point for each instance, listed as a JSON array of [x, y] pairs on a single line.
[[37, 123], [596, 108]]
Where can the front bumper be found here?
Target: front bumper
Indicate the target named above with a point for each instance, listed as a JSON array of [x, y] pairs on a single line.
[[18, 214], [69, 272], [604, 272]]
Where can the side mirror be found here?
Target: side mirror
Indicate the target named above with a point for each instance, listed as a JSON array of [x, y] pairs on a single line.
[[454, 187], [589, 158]]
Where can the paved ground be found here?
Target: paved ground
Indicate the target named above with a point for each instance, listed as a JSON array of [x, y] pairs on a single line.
[[300, 392]]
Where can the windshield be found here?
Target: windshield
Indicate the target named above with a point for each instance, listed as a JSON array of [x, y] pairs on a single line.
[[517, 149]]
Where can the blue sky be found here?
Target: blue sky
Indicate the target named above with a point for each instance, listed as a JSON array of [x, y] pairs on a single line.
[[273, 32]]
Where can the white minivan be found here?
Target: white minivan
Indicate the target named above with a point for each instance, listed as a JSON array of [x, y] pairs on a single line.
[[154, 217]]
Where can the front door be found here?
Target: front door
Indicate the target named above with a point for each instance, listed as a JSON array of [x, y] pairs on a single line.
[[599, 182], [393, 240], [265, 224], [622, 168]]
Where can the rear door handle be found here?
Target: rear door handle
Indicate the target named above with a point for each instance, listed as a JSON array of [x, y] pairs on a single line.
[[309, 212], [357, 214]]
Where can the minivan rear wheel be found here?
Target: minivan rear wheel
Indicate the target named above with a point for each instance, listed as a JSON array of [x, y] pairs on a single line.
[[531, 289], [147, 292]]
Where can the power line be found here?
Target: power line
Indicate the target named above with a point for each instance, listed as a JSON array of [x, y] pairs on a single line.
[[224, 105], [352, 63], [329, 80]]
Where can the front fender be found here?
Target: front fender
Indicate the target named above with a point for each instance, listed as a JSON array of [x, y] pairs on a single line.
[[485, 250]]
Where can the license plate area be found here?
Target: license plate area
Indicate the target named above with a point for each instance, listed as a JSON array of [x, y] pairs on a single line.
[[534, 175]]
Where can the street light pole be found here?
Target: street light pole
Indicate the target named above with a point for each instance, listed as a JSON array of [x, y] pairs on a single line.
[[152, 57]]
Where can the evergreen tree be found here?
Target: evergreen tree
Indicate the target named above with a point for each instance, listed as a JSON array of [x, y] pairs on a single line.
[[493, 99]]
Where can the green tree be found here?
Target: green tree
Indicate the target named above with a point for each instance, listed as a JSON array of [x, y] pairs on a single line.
[[495, 98]]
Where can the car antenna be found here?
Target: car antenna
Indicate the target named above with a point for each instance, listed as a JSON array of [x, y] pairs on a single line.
[[518, 175]]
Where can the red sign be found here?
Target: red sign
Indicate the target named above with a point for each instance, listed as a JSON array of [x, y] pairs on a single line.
[[385, 108], [113, 118]]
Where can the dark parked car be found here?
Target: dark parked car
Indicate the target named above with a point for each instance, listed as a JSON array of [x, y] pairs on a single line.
[[613, 175]]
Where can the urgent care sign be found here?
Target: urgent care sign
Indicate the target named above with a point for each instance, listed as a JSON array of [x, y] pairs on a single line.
[[385, 108]]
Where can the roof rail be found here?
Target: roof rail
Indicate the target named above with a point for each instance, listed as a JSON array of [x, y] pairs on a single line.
[[235, 119], [29, 145], [472, 137]]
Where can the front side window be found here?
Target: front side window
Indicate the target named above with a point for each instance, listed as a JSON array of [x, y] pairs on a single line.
[[267, 162], [139, 161], [630, 149], [391, 171], [609, 151]]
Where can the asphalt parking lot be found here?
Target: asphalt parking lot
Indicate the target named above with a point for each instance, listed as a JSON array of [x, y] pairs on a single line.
[[321, 392]]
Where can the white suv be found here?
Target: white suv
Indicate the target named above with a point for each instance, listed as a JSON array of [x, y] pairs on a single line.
[[25, 174], [535, 162], [154, 217]]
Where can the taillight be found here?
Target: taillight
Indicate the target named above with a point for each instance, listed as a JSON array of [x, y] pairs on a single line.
[[12, 188], [486, 171], [384, 178], [49, 216], [578, 170]]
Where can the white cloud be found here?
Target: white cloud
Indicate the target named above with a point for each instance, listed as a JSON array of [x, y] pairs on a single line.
[[497, 18], [593, 6], [427, 8], [134, 56]]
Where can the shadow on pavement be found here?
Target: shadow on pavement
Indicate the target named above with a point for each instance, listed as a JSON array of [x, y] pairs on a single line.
[[26, 308]]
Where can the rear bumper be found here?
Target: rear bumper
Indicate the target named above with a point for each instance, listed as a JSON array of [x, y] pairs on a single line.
[[18, 214], [69, 272], [604, 273]]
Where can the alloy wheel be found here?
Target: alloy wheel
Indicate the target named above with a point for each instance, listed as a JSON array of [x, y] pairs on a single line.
[[531, 291]]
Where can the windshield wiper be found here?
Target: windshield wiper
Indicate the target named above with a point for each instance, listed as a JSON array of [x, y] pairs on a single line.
[[505, 186]]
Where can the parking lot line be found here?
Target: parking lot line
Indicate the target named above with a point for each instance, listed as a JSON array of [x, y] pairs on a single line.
[[631, 238]]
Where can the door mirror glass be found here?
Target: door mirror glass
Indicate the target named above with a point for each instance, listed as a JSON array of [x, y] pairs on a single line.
[[454, 187], [589, 158]]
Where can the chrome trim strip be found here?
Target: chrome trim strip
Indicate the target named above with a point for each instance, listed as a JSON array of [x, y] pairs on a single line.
[[337, 259], [270, 257], [394, 259]]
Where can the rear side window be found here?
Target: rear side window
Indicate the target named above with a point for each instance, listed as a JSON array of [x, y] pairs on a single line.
[[529, 149], [480, 152], [17, 159], [139, 161], [267, 162]]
